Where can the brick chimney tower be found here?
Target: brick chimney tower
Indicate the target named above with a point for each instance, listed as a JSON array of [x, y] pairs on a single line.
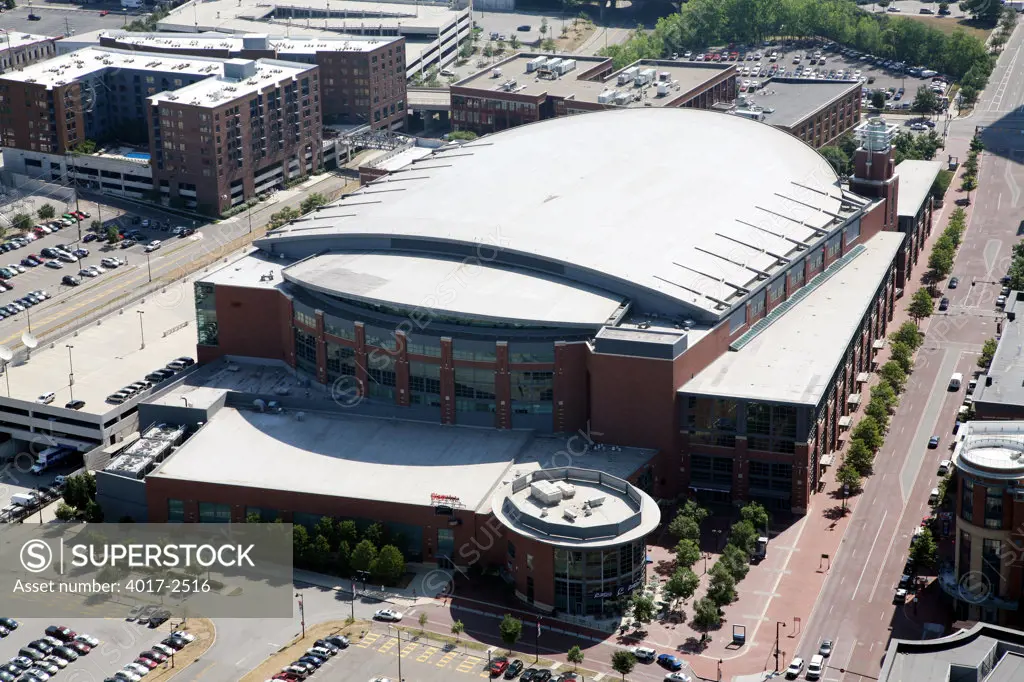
[[874, 174]]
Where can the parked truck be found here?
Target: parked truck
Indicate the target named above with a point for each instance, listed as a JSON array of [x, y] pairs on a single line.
[[24, 499], [760, 549], [49, 458]]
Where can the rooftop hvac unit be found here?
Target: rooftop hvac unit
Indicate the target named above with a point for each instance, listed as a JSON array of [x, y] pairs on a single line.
[[568, 490], [569, 514], [606, 97], [664, 76], [595, 501], [496, 72], [644, 77], [586, 511], [535, 64], [545, 492], [663, 89], [565, 66], [628, 75], [623, 98]]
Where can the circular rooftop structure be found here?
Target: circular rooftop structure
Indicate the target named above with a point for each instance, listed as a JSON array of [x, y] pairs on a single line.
[[681, 211], [992, 456], [573, 507]]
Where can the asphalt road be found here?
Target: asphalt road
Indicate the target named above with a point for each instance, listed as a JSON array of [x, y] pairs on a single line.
[[855, 606], [173, 258]]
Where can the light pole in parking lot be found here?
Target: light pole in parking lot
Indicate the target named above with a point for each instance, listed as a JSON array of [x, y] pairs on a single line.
[[149, 270], [71, 373], [142, 331], [778, 624], [302, 613]]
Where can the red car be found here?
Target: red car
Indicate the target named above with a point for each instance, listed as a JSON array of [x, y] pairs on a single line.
[[716, 58], [498, 666], [146, 662], [80, 647], [153, 656], [104, 12]]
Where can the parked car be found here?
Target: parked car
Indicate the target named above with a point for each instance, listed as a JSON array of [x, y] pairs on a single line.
[[513, 669], [944, 304], [387, 615], [933, 442], [70, 280], [153, 246], [796, 667], [669, 661]]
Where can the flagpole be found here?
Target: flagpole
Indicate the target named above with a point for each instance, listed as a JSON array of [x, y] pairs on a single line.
[[536, 644]]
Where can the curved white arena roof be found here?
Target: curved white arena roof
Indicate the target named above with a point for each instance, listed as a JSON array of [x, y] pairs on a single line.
[[681, 206]]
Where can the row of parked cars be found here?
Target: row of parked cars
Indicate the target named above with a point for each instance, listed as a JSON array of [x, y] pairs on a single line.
[[153, 378], [150, 659], [502, 667], [41, 659], [316, 656], [27, 301], [27, 502]]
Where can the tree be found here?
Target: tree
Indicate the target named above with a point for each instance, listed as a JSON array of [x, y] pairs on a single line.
[[988, 351], [921, 306], [909, 334], [253, 517], [347, 532], [736, 561], [692, 509], [457, 629], [375, 534], [925, 101], [327, 528], [884, 393], [838, 160], [983, 11], [878, 411], [868, 432], [389, 565], [46, 212], [319, 552], [684, 528], [343, 559], [756, 514], [681, 585], [722, 588], [423, 620], [513, 42], [859, 456], [902, 355], [848, 476], [878, 99], [548, 45], [65, 512], [623, 662], [22, 222], [943, 6], [466, 135], [642, 608], [300, 544], [113, 235], [363, 556], [574, 656], [968, 184], [93, 513], [940, 262], [706, 615], [924, 550], [744, 535], [312, 201], [687, 553], [510, 629], [892, 373], [543, 26], [488, 50]]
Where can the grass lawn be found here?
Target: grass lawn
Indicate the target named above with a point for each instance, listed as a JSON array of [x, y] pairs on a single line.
[[948, 25]]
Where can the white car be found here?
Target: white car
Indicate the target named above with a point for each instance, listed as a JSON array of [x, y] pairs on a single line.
[[38, 674], [55, 264], [795, 668], [187, 636], [138, 669], [815, 667], [388, 614], [88, 640], [14, 267], [56, 660], [128, 676], [88, 272], [678, 677], [153, 245], [642, 653], [164, 649], [944, 467]]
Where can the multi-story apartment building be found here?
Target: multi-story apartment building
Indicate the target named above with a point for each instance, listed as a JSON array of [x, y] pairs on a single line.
[[221, 140], [18, 50], [106, 96], [362, 78]]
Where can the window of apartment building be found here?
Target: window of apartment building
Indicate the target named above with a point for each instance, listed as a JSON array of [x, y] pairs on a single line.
[[816, 259], [964, 551], [474, 390], [532, 392], [967, 500], [341, 361], [206, 314], [994, 508], [991, 560], [480, 352], [531, 352], [305, 316], [773, 476], [175, 511], [423, 345], [380, 373], [756, 305], [852, 232], [777, 290], [212, 512], [710, 469], [796, 276], [305, 351], [381, 338], [343, 329], [834, 245], [712, 421]]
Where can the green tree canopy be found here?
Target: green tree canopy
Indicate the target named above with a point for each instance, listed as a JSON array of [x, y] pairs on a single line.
[[884, 393], [706, 615], [925, 101], [988, 351], [924, 550], [859, 456], [848, 476], [574, 655], [642, 607], [623, 662], [908, 333], [363, 556], [744, 535], [389, 566], [510, 629], [892, 373], [681, 585], [687, 553], [903, 355], [736, 561], [46, 212], [868, 432], [684, 528], [756, 514]]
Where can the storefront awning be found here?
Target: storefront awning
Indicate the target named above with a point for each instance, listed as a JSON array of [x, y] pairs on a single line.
[[844, 422], [827, 460], [879, 344], [854, 399], [862, 378]]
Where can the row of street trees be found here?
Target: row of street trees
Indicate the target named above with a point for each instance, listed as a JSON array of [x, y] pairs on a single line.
[[940, 262], [336, 546]]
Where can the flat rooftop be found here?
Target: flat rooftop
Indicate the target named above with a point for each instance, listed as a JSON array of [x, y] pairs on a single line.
[[108, 355], [794, 358], [215, 92], [282, 44], [630, 239], [344, 455], [253, 270], [794, 99], [991, 449], [683, 77], [67, 68], [410, 282], [13, 40], [1007, 369], [916, 180], [971, 651], [353, 14], [572, 506]]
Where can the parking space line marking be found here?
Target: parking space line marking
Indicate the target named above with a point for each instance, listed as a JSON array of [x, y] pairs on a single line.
[[409, 648], [446, 659], [468, 664], [427, 653], [369, 639], [387, 646]]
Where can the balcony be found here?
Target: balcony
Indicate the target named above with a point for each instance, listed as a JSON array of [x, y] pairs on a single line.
[[976, 592]]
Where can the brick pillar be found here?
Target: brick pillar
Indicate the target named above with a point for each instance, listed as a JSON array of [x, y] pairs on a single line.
[[321, 348], [361, 375], [402, 369], [447, 382], [800, 494], [289, 338], [502, 388], [740, 469]]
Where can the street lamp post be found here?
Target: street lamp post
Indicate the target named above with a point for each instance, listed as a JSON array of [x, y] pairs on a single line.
[[302, 613], [142, 331], [71, 372], [149, 270], [778, 624]]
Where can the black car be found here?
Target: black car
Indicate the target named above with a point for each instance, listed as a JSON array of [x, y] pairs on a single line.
[[75, 404], [524, 28], [326, 644], [513, 669], [337, 640], [67, 653], [944, 304], [43, 646], [70, 280], [528, 674], [542, 675], [9, 623], [175, 643], [159, 618], [33, 17], [954, 282]]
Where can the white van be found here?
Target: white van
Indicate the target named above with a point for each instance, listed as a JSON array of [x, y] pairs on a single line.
[[956, 381], [815, 667]]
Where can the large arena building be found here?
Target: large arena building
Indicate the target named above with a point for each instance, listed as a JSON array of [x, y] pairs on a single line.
[[538, 335]]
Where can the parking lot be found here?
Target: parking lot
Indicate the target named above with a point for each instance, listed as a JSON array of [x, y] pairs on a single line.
[[120, 643], [909, 7], [55, 21]]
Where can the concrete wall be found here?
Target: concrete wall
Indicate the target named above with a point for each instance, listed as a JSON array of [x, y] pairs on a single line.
[[119, 496]]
